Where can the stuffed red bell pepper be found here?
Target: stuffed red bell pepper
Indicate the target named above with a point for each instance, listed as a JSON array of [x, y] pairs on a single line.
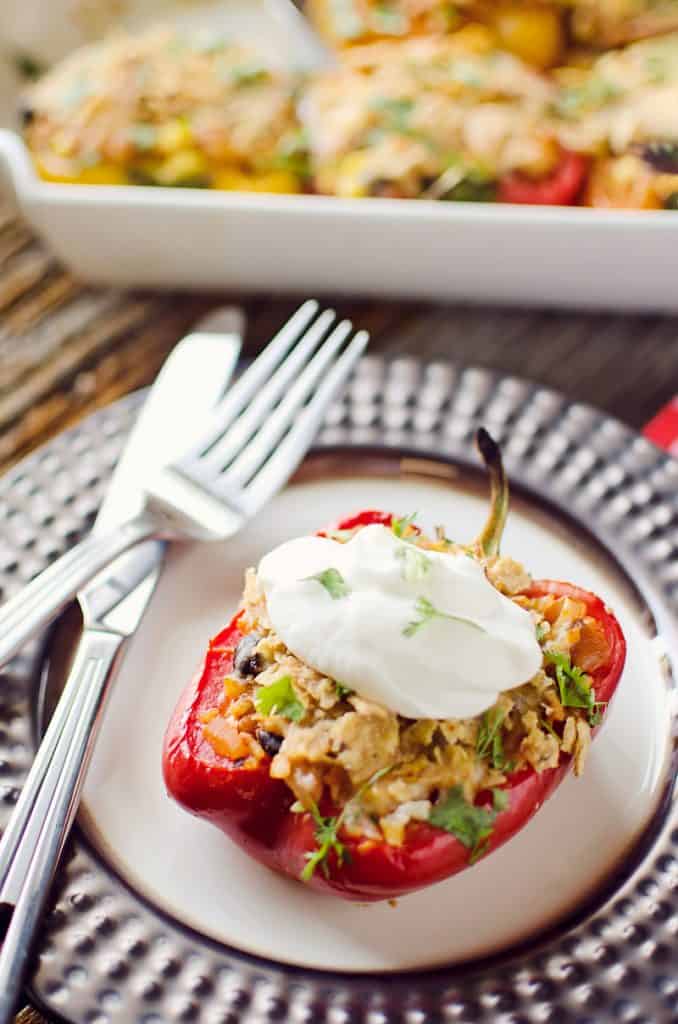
[[322, 782]]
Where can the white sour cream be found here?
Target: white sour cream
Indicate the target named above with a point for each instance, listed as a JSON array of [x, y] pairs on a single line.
[[371, 628]]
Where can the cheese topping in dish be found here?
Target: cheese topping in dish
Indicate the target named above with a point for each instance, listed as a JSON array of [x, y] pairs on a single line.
[[423, 633]]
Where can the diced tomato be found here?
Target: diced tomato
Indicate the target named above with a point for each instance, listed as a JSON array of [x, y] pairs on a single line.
[[562, 187]]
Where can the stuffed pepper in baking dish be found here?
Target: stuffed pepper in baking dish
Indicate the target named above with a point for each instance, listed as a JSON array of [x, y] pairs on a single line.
[[605, 23], [531, 29], [448, 117], [622, 110], [388, 707], [166, 109], [539, 31]]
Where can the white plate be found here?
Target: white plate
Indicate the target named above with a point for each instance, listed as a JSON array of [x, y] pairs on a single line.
[[167, 238], [197, 876]]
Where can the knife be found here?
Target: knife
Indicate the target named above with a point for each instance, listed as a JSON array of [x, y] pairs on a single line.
[[192, 380]]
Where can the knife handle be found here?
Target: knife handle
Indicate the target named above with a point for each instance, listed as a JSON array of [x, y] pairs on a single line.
[[37, 830], [36, 604]]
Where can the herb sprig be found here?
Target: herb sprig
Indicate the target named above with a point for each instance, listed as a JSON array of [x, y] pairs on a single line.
[[489, 742], [280, 698], [327, 833], [333, 582], [415, 565], [401, 526], [574, 687], [426, 612], [470, 824]]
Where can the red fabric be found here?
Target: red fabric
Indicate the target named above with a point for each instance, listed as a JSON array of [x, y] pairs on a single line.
[[663, 428]]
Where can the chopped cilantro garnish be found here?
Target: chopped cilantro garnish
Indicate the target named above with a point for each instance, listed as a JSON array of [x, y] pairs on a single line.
[[333, 582], [28, 67], [427, 612], [144, 136], [470, 824], [549, 728], [342, 691], [327, 834], [596, 713], [250, 74], [293, 154], [279, 698], [489, 742], [401, 526], [573, 685], [327, 838], [500, 800], [395, 112], [543, 630], [415, 564], [591, 95], [389, 19]]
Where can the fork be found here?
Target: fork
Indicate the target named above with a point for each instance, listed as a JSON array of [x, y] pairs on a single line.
[[253, 442]]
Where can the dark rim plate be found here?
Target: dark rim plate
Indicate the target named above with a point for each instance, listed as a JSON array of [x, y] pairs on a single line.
[[106, 956]]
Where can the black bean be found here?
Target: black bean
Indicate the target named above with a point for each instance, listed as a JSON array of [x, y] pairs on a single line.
[[661, 156], [245, 661], [26, 114], [270, 742]]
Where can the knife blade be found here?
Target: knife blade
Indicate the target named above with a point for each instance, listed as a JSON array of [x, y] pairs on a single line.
[[193, 378]]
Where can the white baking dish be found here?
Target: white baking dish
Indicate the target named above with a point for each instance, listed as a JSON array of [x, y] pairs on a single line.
[[185, 238], [135, 236]]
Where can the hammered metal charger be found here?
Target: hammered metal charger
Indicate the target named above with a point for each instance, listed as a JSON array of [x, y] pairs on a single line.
[[107, 956]]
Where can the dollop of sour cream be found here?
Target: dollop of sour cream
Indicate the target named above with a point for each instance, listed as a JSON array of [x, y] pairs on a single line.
[[424, 633]]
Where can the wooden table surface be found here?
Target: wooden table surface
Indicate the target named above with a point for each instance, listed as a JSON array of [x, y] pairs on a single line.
[[67, 349]]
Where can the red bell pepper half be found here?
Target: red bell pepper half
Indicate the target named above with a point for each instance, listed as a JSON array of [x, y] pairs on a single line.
[[255, 810]]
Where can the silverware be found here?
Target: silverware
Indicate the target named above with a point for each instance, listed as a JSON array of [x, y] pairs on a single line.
[[112, 607], [253, 442]]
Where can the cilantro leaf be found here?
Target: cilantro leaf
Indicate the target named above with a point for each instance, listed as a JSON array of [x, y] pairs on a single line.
[[543, 630], [479, 850], [279, 698], [342, 691], [470, 824], [326, 836], [427, 612], [250, 74], [333, 582], [389, 19], [549, 728], [596, 713], [395, 112], [489, 742], [143, 136], [573, 685], [500, 800], [401, 526], [415, 564]]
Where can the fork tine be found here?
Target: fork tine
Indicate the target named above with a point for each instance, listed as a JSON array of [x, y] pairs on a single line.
[[257, 374], [277, 470], [233, 439], [263, 444]]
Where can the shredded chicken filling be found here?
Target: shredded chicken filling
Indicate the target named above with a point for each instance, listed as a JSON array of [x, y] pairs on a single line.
[[385, 769]]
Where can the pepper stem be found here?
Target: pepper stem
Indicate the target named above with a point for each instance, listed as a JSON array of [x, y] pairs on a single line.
[[489, 539]]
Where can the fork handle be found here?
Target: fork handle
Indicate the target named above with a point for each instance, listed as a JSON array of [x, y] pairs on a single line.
[[54, 796], [36, 604]]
